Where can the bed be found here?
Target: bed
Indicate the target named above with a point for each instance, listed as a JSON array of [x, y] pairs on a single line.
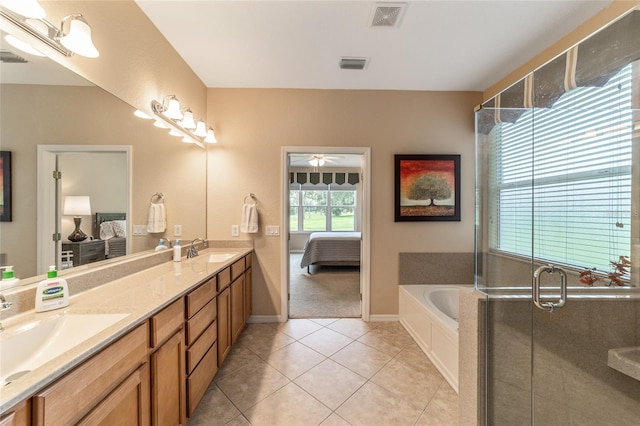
[[332, 248], [112, 229]]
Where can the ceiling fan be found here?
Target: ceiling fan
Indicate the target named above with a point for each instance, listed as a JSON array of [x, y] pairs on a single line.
[[318, 160]]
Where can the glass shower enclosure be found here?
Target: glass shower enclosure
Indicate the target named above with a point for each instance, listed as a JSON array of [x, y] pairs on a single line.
[[558, 242]]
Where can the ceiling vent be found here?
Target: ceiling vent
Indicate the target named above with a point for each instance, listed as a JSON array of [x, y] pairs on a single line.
[[387, 15], [11, 58], [353, 63]]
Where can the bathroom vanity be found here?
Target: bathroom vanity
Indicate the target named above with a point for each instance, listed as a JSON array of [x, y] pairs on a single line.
[[150, 367]]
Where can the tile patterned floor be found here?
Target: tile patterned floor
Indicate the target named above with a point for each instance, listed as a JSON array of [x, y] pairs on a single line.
[[327, 372]]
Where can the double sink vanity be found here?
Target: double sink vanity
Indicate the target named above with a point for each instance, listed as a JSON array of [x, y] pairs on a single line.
[[141, 349]]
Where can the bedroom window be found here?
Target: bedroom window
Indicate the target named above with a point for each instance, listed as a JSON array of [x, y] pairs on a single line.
[[322, 210], [568, 197]]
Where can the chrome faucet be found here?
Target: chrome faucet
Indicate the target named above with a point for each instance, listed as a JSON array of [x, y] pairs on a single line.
[[4, 305], [192, 252]]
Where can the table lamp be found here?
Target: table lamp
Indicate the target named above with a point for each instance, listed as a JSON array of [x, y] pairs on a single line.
[[77, 205]]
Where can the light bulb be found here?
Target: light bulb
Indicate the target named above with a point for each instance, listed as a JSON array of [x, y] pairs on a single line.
[[211, 136]]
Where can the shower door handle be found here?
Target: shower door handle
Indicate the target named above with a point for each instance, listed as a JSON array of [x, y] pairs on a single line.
[[549, 306]]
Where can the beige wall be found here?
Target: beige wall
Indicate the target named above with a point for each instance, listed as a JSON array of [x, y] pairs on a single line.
[[252, 126]]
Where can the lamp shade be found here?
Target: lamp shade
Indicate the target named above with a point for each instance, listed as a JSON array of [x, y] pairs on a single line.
[[78, 36], [201, 130], [187, 121], [77, 205], [211, 136], [173, 109]]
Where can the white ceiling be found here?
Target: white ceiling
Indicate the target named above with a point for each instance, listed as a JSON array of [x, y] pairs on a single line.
[[439, 45]]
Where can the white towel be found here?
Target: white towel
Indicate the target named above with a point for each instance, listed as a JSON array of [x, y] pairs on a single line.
[[249, 221], [157, 218]]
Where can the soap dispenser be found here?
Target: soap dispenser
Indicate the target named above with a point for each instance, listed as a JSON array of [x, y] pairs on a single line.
[[177, 251], [8, 278], [52, 293]]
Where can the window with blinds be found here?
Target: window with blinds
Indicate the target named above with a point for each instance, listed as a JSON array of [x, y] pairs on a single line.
[[561, 178]]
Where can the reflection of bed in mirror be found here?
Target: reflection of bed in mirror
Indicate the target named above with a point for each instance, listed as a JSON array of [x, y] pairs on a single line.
[[332, 248], [112, 229]]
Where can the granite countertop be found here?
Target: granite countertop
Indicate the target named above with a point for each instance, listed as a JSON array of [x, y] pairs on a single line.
[[140, 295]]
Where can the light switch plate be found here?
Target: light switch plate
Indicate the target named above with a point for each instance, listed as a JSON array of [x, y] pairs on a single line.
[[235, 230], [177, 230], [273, 230], [140, 230]]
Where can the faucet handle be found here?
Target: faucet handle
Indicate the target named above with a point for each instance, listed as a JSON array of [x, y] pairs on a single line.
[[4, 305]]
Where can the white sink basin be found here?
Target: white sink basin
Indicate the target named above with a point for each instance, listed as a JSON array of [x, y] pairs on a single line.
[[38, 342], [220, 257]]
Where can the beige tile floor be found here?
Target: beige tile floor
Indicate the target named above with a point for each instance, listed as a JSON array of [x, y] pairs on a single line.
[[327, 372]]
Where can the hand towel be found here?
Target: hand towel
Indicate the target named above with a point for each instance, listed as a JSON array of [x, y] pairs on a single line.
[[249, 221], [157, 218]]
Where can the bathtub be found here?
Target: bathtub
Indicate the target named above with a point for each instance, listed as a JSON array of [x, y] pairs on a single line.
[[430, 314]]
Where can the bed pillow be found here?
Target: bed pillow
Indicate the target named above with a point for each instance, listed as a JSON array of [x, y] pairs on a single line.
[[120, 228], [106, 231]]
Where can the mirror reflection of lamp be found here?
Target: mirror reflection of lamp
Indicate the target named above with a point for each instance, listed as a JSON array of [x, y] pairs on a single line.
[[77, 205]]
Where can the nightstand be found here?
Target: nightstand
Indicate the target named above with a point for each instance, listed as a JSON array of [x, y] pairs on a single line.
[[84, 252]]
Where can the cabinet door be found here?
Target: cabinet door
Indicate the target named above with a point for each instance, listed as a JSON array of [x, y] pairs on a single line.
[[224, 324], [19, 416], [237, 308], [248, 294], [168, 396], [128, 404]]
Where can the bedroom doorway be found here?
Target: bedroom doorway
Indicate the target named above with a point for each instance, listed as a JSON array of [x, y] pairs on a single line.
[[326, 197], [84, 169]]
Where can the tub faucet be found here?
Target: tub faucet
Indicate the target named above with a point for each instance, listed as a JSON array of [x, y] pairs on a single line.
[[192, 252], [4, 305]]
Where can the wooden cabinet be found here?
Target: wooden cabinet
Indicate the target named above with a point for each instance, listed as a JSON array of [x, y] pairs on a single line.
[[224, 324], [128, 404], [201, 338], [248, 293], [168, 395], [20, 415], [87, 387], [237, 308], [84, 252]]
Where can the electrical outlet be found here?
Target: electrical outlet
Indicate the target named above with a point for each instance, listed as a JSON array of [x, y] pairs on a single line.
[[177, 230], [235, 230]]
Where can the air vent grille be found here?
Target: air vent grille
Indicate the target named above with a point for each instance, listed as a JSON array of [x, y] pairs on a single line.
[[387, 15], [352, 63], [11, 58]]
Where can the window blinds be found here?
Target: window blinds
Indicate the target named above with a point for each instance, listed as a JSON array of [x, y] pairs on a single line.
[[561, 178]]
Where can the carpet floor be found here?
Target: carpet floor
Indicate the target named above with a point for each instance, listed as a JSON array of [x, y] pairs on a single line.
[[328, 292]]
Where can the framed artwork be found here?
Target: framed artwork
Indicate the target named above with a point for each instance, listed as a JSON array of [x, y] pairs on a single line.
[[427, 188], [5, 186]]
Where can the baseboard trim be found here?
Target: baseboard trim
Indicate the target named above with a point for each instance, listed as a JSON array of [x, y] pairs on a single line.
[[383, 318], [264, 318]]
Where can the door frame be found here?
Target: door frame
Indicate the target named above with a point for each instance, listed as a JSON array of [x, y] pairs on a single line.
[[365, 255], [46, 196]]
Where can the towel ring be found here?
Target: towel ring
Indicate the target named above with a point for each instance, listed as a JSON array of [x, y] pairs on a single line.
[[158, 196], [251, 196]]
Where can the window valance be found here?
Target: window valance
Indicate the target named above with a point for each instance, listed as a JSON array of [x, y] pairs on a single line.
[[591, 63], [326, 178]]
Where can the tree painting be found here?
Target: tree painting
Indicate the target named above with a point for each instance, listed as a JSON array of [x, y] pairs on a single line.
[[427, 187]]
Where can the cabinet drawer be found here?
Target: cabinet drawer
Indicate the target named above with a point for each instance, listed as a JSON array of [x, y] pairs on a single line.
[[224, 278], [165, 323], [200, 321], [237, 269], [70, 398], [20, 416], [199, 380], [200, 296], [201, 346]]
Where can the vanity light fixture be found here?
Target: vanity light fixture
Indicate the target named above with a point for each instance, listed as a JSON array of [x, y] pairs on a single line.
[[187, 121], [211, 136], [201, 130], [173, 108], [160, 124], [77, 37], [73, 36], [174, 132], [142, 115], [23, 46]]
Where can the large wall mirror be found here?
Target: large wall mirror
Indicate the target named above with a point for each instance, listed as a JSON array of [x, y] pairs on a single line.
[[44, 105]]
